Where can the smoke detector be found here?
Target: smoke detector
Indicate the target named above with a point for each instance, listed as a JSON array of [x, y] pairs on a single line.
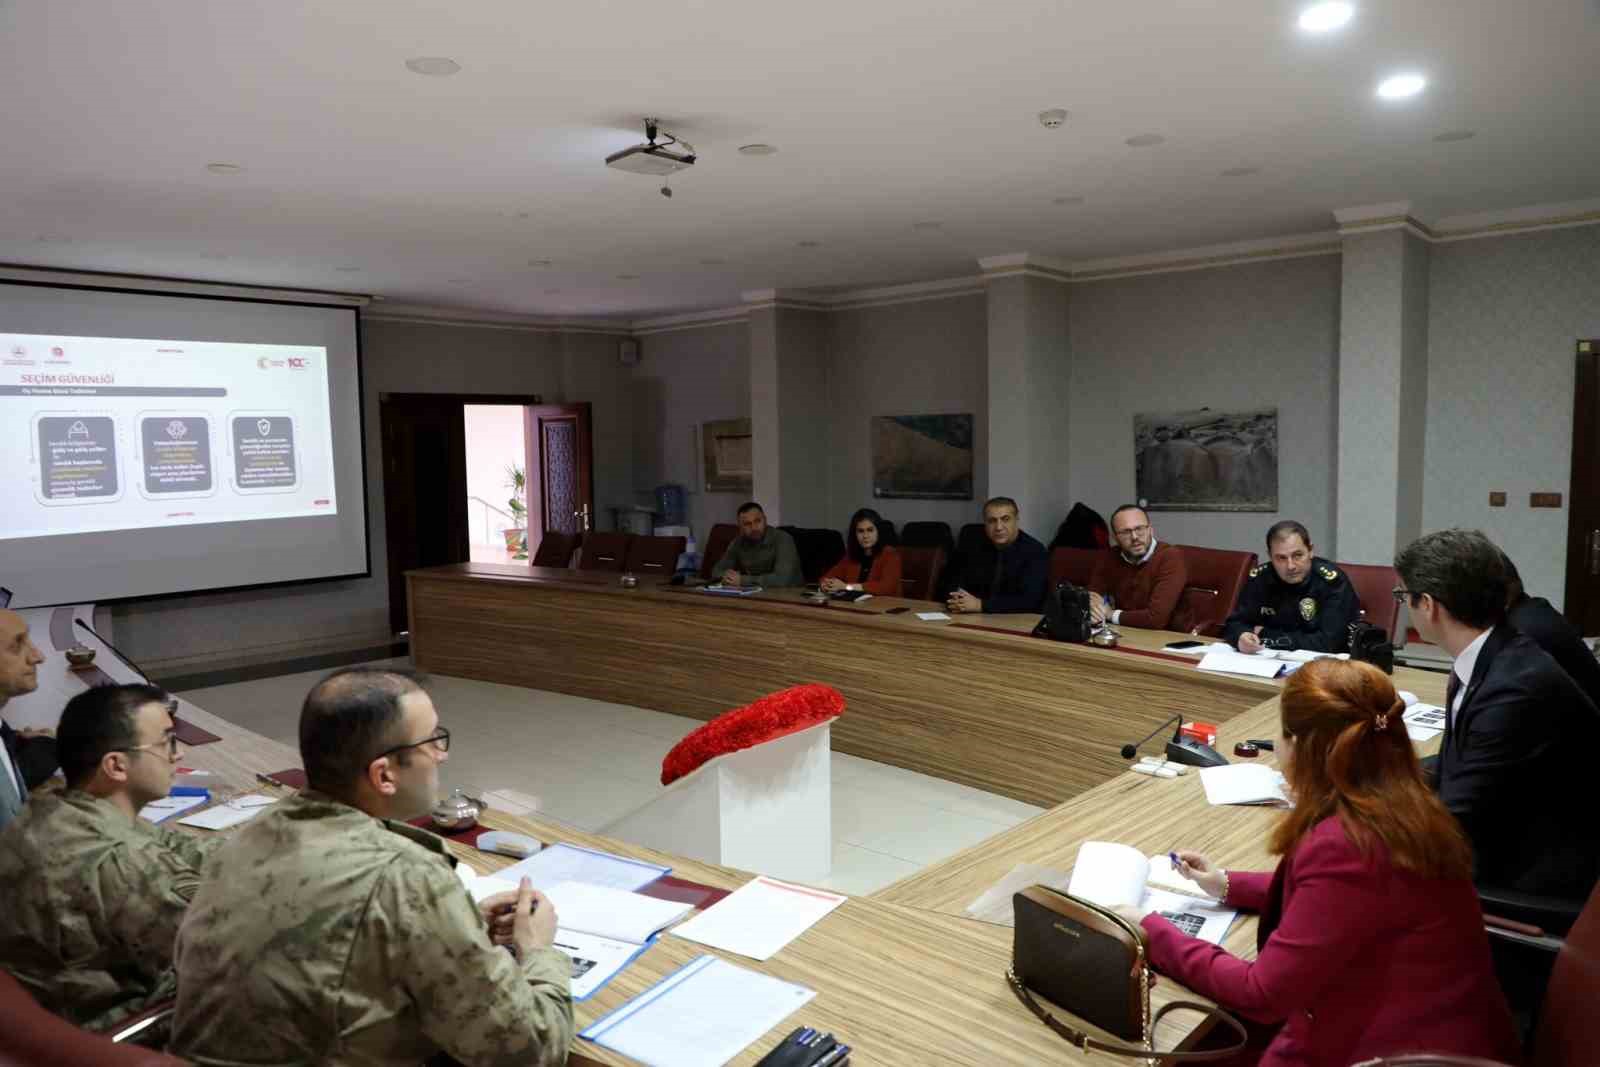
[[1053, 119]]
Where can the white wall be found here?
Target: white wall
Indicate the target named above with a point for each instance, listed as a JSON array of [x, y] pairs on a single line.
[[927, 358], [684, 379], [1504, 314], [1228, 338]]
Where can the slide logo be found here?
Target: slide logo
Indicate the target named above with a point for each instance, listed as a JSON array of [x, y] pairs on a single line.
[[293, 363]]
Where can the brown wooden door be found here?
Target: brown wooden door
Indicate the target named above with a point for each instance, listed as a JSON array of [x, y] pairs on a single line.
[[1583, 515], [424, 488], [561, 449]]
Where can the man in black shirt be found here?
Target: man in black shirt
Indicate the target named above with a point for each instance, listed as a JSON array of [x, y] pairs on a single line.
[[1550, 630], [1008, 574]]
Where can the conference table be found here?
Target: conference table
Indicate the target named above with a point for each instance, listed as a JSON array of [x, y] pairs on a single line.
[[903, 975]]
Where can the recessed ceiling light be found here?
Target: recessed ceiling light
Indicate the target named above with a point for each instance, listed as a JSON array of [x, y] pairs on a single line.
[[1145, 140], [1067, 201], [1455, 135], [347, 270], [541, 263], [713, 262], [808, 244], [1401, 86], [433, 66], [1240, 172], [926, 225], [224, 168], [1320, 18], [758, 150], [627, 277]]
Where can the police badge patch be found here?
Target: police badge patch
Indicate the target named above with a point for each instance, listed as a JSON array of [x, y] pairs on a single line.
[[1308, 609]]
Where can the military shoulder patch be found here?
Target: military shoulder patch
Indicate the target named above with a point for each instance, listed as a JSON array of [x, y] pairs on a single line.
[[1328, 573], [1257, 569]]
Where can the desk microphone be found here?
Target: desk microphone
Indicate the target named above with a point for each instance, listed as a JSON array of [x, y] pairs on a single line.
[[1181, 749]]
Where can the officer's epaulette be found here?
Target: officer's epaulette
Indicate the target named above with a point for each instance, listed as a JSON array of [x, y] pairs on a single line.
[[1257, 569], [1328, 573]]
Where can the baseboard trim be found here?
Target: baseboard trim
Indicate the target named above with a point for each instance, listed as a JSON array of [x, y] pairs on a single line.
[[176, 683]]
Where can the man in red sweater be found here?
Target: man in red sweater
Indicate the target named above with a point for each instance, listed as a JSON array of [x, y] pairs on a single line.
[[1139, 580]]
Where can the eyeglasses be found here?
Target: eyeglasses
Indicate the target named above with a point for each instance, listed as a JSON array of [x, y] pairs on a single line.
[[441, 740], [1134, 531], [1403, 595], [169, 741]]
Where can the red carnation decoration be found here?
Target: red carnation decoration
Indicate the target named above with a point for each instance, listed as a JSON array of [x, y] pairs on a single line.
[[774, 715]]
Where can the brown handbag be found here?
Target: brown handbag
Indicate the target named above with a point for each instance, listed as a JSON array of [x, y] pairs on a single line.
[[1094, 963]]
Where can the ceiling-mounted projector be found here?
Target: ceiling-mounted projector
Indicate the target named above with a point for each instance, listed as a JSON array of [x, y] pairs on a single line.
[[653, 158]]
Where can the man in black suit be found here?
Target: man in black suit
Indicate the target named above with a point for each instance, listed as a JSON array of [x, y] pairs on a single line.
[[1008, 574], [1534, 616], [1510, 765], [30, 756]]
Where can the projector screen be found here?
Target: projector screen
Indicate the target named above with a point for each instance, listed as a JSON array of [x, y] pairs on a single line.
[[154, 444]]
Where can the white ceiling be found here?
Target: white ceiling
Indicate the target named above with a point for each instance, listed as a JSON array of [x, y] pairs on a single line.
[[886, 113]]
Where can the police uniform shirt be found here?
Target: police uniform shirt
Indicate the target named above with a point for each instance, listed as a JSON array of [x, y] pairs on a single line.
[[1314, 615]]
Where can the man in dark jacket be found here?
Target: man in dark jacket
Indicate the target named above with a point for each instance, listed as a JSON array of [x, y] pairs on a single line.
[[1515, 721], [1008, 574], [1550, 630], [1295, 600]]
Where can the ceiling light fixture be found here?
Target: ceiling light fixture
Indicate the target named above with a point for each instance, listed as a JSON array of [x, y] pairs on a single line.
[[541, 263], [1054, 118], [1320, 18], [224, 168], [808, 244], [1455, 135], [1402, 86], [1145, 140], [433, 66], [627, 277], [758, 150]]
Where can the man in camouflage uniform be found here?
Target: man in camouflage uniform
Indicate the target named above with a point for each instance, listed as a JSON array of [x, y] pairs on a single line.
[[328, 933], [1297, 600], [94, 894]]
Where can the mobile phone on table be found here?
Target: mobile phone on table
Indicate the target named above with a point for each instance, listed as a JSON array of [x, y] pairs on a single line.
[[1185, 644]]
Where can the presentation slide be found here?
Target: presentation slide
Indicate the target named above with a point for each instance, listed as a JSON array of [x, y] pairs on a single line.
[[121, 433]]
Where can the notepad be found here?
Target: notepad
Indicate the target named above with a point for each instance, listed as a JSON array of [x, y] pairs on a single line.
[[562, 862], [701, 1015], [234, 812], [601, 930], [1113, 875], [933, 616], [1226, 661], [167, 807], [760, 917], [1244, 783]]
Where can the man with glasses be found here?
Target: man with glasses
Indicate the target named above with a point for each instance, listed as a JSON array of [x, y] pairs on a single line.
[[1139, 580], [1515, 724], [330, 931], [94, 894], [1295, 600]]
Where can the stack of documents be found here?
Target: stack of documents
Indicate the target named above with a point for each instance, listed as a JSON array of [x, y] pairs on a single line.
[[167, 807], [1224, 660], [760, 917], [232, 813], [562, 862], [702, 1015]]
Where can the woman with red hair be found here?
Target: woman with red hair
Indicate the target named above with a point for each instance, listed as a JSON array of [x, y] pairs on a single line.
[[1371, 939]]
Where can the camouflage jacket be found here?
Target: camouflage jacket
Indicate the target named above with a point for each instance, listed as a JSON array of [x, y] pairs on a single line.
[[93, 900], [325, 936]]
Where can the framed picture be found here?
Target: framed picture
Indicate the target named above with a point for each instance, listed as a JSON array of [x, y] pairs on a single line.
[[1207, 460], [729, 454], [922, 457]]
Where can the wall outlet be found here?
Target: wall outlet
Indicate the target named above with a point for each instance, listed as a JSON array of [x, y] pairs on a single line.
[[1497, 499], [1544, 500]]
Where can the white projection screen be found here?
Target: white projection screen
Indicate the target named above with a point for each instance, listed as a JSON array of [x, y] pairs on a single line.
[[154, 444]]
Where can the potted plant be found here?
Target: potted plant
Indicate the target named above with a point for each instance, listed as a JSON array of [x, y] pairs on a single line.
[[517, 536]]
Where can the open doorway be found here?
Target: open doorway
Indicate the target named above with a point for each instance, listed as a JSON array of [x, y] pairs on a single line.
[[500, 510]]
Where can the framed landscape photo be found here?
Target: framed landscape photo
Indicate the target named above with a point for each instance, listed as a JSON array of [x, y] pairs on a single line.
[[922, 457], [729, 454], [1207, 460]]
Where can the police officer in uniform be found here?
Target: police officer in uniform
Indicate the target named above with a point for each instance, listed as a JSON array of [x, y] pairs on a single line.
[[1297, 600]]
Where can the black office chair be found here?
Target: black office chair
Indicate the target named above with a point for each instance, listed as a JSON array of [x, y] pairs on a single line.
[[1526, 934], [927, 535]]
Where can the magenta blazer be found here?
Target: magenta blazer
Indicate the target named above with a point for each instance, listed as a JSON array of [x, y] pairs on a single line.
[[1356, 959]]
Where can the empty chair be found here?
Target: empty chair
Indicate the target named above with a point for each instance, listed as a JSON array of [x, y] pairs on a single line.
[[603, 552], [1215, 577], [717, 542], [1073, 565], [818, 549], [927, 535], [556, 549], [920, 570], [654, 555], [1374, 585]]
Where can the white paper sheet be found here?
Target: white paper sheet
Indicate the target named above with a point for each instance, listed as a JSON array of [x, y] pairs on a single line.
[[1205, 919], [995, 905], [760, 917], [933, 616], [1224, 661], [167, 807], [702, 1015], [1109, 874], [234, 812], [1243, 783], [615, 914], [1424, 721], [595, 960], [562, 862]]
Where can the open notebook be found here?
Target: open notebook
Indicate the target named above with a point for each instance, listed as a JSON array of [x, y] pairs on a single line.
[[1110, 875], [601, 929]]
